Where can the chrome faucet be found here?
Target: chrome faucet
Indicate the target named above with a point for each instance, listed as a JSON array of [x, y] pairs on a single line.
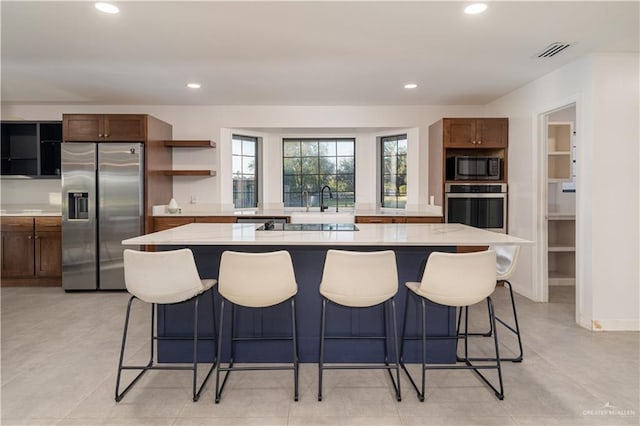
[[322, 206], [305, 195]]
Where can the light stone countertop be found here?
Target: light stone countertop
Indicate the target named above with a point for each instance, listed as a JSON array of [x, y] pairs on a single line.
[[441, 234], [31, 210], [432, 211]]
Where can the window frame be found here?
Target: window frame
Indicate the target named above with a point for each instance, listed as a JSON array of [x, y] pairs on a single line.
[[313, 196], [256, 172], [381, 159]]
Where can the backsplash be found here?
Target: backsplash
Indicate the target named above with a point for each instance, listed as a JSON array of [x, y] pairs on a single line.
[[30, 192]]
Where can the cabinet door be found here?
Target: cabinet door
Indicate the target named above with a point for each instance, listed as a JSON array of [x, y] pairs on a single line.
[[459, 132], [492, 132], [373, 219], [425, 219], [48, 254], [48, 247], [19, 148], [216, 219], [82, 127], [124, 128], [17, 250], [163, 223]]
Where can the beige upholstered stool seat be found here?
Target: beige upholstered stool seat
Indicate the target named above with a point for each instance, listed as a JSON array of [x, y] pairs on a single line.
[[506, 261], [162, 278], [360, 280], [457, 280], [256, 280]]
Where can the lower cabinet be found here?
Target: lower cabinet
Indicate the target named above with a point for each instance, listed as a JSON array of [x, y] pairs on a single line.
[[163, 222], [399, 219], [31, 251]]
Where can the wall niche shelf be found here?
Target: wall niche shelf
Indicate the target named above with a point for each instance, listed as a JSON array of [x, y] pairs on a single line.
[[561, 248], [559, 151]]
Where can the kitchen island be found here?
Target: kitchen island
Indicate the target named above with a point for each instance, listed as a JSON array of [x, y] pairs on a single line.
[[412, 244]]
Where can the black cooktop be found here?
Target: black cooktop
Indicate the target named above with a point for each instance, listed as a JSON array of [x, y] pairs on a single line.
[[269, 226]]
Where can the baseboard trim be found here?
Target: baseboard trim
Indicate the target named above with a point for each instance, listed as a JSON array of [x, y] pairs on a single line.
[[615, 325]]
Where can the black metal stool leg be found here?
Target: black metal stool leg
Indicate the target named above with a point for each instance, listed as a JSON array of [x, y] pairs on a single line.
[[119, 395], [394, 325], [295, 350], [321, 359], [516, 331], [499, 394], [218, 388]]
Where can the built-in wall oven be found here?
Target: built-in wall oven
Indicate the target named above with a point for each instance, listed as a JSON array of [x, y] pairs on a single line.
[[480, 205]]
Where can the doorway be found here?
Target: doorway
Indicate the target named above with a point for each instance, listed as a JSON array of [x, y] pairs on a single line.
[[560, 144]]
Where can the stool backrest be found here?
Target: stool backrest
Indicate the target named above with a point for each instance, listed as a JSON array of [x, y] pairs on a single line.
[[256, 279], [359, 279], [506, 260], [162, 276], [459, 279]]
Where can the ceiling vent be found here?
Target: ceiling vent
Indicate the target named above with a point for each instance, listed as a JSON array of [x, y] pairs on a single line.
[[553, 49]]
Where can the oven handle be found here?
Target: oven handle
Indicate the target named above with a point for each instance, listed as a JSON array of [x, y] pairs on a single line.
[[475, 195]]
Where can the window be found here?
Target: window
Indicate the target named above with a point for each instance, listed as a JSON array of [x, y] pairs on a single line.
[[309, 164], [245, 171], [394, 171]]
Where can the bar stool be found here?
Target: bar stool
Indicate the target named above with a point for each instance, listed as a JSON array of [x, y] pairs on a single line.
[[256, 280], [361, 280], [457, 280], [164, 278], [506, 260]]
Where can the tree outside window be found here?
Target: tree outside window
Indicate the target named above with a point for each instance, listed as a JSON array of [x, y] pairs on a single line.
[[394, 171], [245, 171], [309, 164]]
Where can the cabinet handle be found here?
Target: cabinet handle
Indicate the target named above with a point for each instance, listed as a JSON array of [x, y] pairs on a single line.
[[29, 237], [37, 237], [479, 142], [473, 142], [99, 135], [106, 135]]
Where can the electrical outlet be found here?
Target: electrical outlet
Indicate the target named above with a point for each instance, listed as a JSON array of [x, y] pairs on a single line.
[[193, 199]]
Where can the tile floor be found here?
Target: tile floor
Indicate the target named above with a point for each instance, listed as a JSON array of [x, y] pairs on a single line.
[[59, 356]]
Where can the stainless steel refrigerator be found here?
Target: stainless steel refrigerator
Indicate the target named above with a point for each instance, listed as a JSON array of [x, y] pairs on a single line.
[[102, 204]]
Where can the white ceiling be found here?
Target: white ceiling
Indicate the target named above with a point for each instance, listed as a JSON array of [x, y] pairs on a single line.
[[295, 52]]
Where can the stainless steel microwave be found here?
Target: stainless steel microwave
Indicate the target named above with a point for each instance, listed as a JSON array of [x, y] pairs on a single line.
[[464, 167]]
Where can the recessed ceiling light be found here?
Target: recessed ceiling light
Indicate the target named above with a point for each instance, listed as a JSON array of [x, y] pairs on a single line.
[[193, 85], [107, 8], [410, 86], [475, 8]]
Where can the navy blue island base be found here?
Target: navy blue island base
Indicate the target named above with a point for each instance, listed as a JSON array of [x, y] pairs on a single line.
[[175, 321]]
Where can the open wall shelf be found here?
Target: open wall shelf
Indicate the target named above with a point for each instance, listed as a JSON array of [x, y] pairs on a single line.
[[190, 144]]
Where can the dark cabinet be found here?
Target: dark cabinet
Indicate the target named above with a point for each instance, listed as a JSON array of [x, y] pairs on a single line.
[[104, 127], [475, 132], [31, 247], [31, 148], [17, 247], [48, 247]]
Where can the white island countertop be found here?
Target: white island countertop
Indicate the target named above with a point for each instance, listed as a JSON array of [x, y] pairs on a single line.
[[440, 234]]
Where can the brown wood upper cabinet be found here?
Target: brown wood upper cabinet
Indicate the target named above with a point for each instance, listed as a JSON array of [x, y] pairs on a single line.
[[104, 127], [476, 132], [31, 247]]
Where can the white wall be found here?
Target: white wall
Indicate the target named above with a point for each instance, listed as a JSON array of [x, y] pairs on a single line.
[[606, 91]]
